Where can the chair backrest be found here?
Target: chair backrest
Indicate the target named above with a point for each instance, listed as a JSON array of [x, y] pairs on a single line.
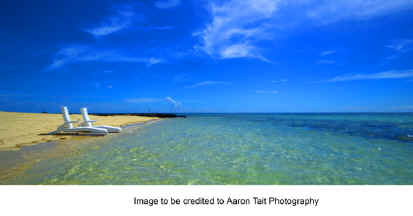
[[66, 117], [85, 116]]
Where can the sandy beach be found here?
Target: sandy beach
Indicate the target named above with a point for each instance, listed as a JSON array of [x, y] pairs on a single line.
[[22, 129]]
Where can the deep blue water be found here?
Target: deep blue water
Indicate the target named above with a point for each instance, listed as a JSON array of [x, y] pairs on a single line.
[[243, 149]]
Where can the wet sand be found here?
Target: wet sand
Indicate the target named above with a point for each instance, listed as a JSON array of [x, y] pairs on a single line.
[[23, 129], [13, 164]]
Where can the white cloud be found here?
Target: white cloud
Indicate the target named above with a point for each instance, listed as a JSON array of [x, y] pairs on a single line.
[[166, 4], [235, 28], [172, 101], [152, 61], [266, 92], [238, 28], [400, 47], [394, 74], [327, 11], [65, 55], [154, 100], [237, 51], [79, 53], [280, 81], [122, 19], [205, 83], [328, 52]]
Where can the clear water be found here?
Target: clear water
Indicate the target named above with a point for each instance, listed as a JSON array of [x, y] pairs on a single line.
[[244, 149]]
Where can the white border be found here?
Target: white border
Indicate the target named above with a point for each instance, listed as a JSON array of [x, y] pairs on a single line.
[[118, 200]]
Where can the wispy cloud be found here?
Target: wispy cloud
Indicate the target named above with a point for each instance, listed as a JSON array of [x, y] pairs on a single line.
[[266, 92], [325, 61], [206, 83], [328, 52], [66, 55], [166, 4], [238, 28], [168, 99], [122, 19], [152, 61], [332, 11], [394, 74], [80, 53], [280, 81], [400, 45], [235, 28], [240, 51], [173, 102]]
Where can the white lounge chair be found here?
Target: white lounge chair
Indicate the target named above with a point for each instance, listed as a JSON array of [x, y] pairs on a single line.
[[67, 126], [88, 123]]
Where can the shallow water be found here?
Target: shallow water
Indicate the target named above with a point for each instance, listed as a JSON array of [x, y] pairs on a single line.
[[243, 149]]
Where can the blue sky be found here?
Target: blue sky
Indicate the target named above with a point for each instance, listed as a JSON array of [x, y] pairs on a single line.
[[207, 56]]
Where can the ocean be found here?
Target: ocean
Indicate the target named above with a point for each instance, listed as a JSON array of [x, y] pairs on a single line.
[[288, 149]]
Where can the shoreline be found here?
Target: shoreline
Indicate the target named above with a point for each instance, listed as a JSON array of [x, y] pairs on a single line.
[[25, 129], [13, 163]]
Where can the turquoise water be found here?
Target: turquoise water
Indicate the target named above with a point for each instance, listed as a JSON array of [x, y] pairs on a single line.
[[244, 149]]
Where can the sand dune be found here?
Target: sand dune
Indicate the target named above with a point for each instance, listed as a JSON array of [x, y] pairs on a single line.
[[20, 129]]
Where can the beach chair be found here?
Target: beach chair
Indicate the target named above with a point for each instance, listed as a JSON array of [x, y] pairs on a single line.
[[88, 123], [68, 127]]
